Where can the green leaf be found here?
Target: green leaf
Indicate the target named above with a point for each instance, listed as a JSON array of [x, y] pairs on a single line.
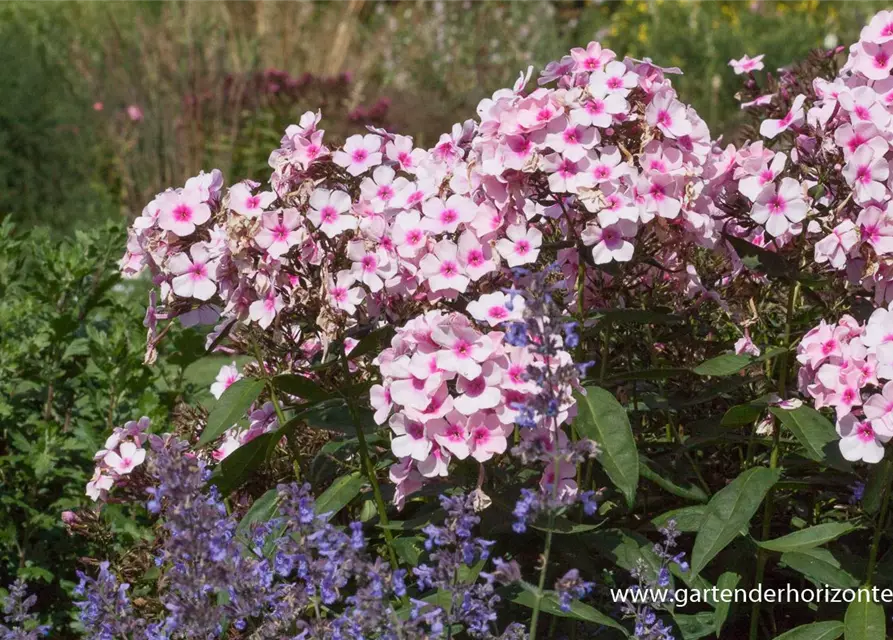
[[371, 341], [830, 630], [300, 386], [340, 493], [696, 626], [637, 316], [815, 432], [335, 416], [877, 482], [408, 550], [741, 414], [808, 538], [728, 512], [688, 491], [234, 469], [579, 611], [758, 259], [724, 365], [562, 525], [864, 619], [261, 511], [728, 580], [231, 408], [820, 566], [688, 519], [601, 418]]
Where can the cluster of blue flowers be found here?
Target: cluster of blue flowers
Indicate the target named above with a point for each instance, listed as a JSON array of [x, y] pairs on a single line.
[[19, 623], [296, 576], [647, 625]]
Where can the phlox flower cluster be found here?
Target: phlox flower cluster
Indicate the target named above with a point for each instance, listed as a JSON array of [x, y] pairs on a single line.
[[821, 167], [849, 366], [378, 231], [122, 453]]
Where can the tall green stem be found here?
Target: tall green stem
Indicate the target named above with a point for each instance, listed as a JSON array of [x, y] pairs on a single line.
[[881, 521], [547, 550], [769, 507], [369, 468]]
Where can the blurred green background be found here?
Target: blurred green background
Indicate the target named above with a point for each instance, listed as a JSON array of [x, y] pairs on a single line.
[[106, 103]]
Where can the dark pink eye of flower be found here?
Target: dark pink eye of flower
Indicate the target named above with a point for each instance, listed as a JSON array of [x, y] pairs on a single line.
[[855, 142], [448, 268], [865, 432], [497, 313], [280, 233], [887, 30], [359, 155], [881, 58], [328, 215], [656, 191], [664, 118], [415, 430], [405, 159], [522, 247], [787, 119], [615, 82], [182, 213], [544, 114], [462, 349], [516, 373], [455, 432], [198, 271], [595, 107], [829, 346], [369, 263], [448, 216], [848, 396], [418, 384], [863, 174], [602, 172], [385, 192], [592, 64], [766, 176], [571, 137], [340, 294], [481, 436], [414, 236], [861, 112], [777, 205], [475, 257], [610, 236], [312, 151], [476, 387], [253, 202]]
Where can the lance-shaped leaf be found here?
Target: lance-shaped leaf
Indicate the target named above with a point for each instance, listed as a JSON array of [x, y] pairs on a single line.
[[728, 512], [864, 619], [231, 407], [601, 418], [830, 630], [808, 538]]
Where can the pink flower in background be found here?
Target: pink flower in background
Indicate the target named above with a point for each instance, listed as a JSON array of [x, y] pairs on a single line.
[[134, 113], [747, 64], [859, 440], [228, 374], [777, 209], [98, 106], [771, 128], [195, 274], [126, 459]]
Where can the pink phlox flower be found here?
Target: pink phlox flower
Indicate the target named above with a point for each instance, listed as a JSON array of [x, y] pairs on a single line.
[[771, 128], [228, 374], [746, 64]]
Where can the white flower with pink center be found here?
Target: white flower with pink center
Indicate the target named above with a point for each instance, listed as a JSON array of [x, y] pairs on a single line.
[[195, 274], [658, 195], [493, 308], [747, 64], [835, 247], [126, 459], [279, 232], [752, 185], [381, 401], [264, 310], [770, 128], [409, 234], [370, 266], [668, 114], [381, 188], [226, 377], [610, 244], [878, 410], [409, 439], [599, 108], [401, 151], [451, 434], [614, 78], [567, 175], [521, 246], [99, 485], [248, 204], [778, 209], [476, 259], [572, 141], [486, 436], [480, 393], [359, 154], [876, 228], [342, 293], [442, 270], [437, 464], [592, 58], [867, 171], [181, 211], [873, 60], [607, 165], [859, 440], [328, 212], [446, 216], [462, 350]]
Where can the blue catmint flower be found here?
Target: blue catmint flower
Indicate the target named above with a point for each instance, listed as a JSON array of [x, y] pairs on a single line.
[[19, 622]]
